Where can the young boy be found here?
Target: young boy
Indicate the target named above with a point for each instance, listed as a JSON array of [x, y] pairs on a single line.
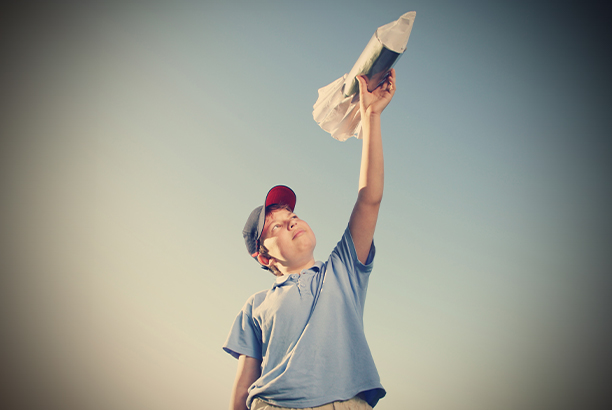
[[301, 344]]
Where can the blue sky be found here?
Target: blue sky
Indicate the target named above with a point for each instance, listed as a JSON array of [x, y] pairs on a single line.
[[137, 138]]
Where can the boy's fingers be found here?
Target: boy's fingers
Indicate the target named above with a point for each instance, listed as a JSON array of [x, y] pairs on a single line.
[[391, 79], [362, 85], [360, 80]]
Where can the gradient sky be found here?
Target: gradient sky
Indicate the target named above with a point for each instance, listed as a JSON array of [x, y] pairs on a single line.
[[136, 139]]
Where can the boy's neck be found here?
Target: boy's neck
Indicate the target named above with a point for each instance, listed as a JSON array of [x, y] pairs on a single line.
[[298, 268]]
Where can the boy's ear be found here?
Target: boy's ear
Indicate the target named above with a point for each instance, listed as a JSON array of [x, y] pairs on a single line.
[[263, 260]]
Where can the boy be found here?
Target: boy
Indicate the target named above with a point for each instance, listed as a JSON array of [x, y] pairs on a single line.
[[301, 344]]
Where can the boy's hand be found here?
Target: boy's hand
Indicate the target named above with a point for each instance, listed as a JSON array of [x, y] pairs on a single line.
[[375, 102]]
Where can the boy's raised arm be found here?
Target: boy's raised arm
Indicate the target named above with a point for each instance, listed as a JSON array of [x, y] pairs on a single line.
[[371, 177]]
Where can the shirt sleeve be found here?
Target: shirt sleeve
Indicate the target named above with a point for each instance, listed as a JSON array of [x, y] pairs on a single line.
[[348, 254], [245, 336], [350, 271]]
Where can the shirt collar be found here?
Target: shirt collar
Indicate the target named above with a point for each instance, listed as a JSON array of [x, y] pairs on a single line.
[[281, 280]]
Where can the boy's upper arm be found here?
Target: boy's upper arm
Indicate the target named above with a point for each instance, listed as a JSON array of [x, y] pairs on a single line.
[[362, 226], [249, 370]]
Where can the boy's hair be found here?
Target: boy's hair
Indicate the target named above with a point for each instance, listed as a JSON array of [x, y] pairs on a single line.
[[263, 251]]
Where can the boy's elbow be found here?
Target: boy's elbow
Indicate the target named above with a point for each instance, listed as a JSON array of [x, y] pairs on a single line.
[[366, 197]]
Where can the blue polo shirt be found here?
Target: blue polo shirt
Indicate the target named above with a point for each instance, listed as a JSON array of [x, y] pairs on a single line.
[[308, 332]]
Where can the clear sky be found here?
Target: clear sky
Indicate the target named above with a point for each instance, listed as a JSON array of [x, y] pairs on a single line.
[[136, 138]]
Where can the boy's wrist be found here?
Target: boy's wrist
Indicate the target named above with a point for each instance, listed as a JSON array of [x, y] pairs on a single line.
[[369, 117], [368, 113]]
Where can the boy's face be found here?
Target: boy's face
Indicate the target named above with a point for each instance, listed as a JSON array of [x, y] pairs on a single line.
[[288, 239]]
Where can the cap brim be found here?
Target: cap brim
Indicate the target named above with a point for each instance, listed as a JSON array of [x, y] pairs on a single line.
[[281, 194]]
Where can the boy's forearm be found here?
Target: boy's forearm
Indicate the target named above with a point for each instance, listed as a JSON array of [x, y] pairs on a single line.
[[371, 176], [238, 399]]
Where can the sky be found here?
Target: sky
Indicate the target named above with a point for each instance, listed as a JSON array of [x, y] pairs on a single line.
[[136, 138]]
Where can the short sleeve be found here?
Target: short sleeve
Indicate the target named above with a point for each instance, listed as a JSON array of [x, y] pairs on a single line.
[[347, 253], [351, 274], [245, 336]]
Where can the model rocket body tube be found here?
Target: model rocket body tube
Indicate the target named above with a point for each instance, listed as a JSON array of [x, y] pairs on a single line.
[[380, 54], [375, 62]]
